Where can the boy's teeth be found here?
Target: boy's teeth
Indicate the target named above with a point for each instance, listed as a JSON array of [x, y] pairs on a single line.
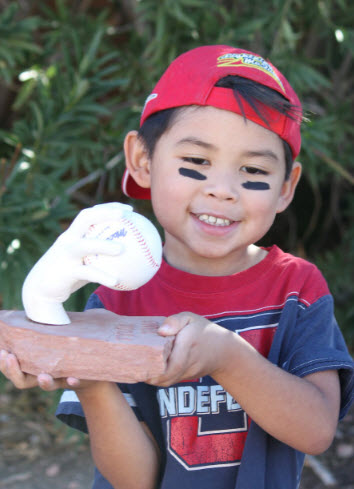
[[216, 221]]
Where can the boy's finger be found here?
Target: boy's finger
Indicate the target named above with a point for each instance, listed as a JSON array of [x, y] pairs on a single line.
[[47, 383], [73, 382], [3, 355], [14, 373], [175, 368]]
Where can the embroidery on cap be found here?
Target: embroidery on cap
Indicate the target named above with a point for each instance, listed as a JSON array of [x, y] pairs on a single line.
[[152, 96], [249, 60]]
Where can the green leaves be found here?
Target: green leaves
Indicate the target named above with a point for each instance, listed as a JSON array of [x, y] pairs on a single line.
[[61, 129], [16, 41]]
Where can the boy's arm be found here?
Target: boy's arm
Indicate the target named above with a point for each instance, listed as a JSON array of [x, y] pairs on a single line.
[[123, 448], [301, 412]]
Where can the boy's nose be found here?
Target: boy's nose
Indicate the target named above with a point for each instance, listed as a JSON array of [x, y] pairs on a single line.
[[222, 187]]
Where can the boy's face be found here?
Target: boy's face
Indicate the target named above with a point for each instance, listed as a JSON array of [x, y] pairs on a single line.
[[217, 183]]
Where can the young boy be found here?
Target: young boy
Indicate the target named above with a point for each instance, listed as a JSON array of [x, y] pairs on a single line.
[[259, 373]]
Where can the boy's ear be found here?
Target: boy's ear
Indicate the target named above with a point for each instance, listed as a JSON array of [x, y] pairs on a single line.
[[289, 187], [137, 160]]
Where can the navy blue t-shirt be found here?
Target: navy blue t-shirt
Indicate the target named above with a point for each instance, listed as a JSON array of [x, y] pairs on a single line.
[[281, 306]]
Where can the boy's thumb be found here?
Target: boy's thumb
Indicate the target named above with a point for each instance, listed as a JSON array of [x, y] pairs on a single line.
[[171, 326]]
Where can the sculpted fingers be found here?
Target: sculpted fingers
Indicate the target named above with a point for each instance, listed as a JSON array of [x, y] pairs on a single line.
[[89, 273], [90, 246], [98, 213]]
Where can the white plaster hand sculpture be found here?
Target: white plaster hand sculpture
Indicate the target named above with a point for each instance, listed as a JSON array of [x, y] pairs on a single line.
[[61, 271]]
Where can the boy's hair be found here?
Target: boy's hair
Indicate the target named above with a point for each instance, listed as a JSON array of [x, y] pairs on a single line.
[[227, 78], [256, 95]]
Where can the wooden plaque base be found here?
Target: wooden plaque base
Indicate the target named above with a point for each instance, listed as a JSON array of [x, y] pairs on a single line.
[[97, 345]]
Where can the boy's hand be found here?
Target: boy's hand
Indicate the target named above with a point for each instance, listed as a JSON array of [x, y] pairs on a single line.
[[11, 369], [61, 271], [197, 349]]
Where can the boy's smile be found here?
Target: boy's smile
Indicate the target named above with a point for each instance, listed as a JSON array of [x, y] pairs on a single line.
[[217, 183]]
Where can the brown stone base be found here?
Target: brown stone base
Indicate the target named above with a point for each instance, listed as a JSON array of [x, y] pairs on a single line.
[[97, 345]]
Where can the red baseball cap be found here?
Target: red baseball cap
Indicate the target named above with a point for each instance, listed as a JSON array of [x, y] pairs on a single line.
[[190, 80]]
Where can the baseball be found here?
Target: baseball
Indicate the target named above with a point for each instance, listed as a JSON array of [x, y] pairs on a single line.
[[141, 256]]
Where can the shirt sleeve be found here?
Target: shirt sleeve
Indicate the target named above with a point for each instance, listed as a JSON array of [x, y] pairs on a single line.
[[313, 342]]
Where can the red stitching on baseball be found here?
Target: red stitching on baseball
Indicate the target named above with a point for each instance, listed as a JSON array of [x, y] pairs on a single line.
[[120, 286], [141, 240]]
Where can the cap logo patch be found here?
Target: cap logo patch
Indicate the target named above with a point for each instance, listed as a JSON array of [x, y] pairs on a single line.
[[249, 61]]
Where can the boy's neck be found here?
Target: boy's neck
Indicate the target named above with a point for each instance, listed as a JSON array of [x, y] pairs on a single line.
[[215, 267]]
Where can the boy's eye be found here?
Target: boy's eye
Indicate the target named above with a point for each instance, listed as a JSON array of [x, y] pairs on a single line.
[[195, 161], [251, 170]]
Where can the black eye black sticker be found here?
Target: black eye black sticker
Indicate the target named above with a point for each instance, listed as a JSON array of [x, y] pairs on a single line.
[[256, 185], [187, 172]]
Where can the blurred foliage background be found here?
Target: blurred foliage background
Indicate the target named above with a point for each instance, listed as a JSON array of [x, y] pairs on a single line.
[[73, 79]]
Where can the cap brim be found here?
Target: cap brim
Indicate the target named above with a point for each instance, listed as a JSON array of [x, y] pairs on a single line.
[[132, 189]]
